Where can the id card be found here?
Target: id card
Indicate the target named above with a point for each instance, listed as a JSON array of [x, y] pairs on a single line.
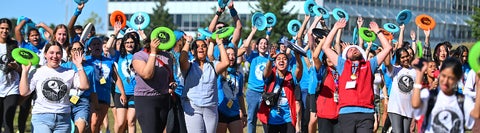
[[351, 84], [74, 99], [230, 103], [103, 81]]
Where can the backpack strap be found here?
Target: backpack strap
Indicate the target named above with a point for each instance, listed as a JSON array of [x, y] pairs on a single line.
[[432, 99]]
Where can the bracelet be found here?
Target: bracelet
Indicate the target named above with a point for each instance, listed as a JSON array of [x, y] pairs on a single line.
[[378, 32], [153, 55], [113, 35], [417, 86], [269, 33], [77, 12], [79, 69], [218, 13], [233, 12]]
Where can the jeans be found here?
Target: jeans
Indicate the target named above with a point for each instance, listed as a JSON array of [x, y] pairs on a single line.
[[51, 123], [81, 110], [200, 119], [253, 100]]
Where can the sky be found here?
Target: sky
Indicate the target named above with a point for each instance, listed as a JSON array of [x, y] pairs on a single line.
[[53, 11]]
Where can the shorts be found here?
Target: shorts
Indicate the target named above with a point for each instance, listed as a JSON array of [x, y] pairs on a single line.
[[225, 119], [312, 102], [118, 104], [81, 110]]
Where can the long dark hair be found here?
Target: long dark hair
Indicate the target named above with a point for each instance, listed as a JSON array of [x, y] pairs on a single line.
[[436, 52], [7, 58], [398, 53], [136, 39]]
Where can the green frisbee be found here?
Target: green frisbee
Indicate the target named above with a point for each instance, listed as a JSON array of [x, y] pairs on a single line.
[[25, 56], [367, 35], [474, 57], [224, 32], [419, 49], [166, 36]]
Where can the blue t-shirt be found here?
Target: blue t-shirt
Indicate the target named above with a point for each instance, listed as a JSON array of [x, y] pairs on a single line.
[[252, 56], [255, 78], [88, 71], [317, 77], [177, 73], [353, 109], [37, 49], [229, 89], [279, 114], [126, 74], [307, 73], [387, 79], [102, 77]]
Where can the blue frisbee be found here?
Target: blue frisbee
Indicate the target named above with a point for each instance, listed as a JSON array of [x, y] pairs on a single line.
[[259, 21], [308, 7], [271, 19], [80, 1], [392, 28], [140, 20], [404, 17], [293, 27], [339, 13], [320, 11], [204, 32], [223, 3]]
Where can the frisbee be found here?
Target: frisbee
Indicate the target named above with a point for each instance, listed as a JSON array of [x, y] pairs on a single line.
[[391, 27], [293, 27], [308, 7], [271, 19], [474, 57], [367, 35], [139, 20], [25, 56], [404, 17], [118, 16], [320, 33], [259, 21], [387, 34], [166, 37], [295, 48], [419, 49], [205, 32], [85, 32], [425, 22], [320, 11], [339, 13], [223, 3], [80, 1], [224, 32]]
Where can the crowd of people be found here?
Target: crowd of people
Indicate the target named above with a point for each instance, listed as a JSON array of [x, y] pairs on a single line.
[[226, 84]]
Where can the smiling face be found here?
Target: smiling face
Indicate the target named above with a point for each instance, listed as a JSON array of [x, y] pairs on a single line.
[[61, 35], [54, 56], [442, 55], [129, 45], [34, 37], [281, 62], [201, 51], [231, 57], [4, 30], [262, 46], [404, 59]]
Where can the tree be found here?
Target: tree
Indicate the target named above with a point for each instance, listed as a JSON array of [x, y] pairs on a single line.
[[96, 20], [160, 17], [283, 17], [475, 23]]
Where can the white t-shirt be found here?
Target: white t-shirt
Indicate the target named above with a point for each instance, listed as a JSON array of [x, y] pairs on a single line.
[[446, 116], [8, 81], [376, 82], [401, 93], [52, 88], [469, 93]]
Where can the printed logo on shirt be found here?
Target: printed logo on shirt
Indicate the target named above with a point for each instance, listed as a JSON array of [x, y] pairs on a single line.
[[446, 121], [127, 69], [230, 88], [405, 83], [54, 89], [259, 70], [101, 71]]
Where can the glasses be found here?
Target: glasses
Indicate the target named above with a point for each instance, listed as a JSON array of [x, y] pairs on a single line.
[[77, 49]]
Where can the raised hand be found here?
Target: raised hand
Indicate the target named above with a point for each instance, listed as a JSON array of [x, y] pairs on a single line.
[[80, 6], [413, 35], [230, 6], [117, 27], [77, 58], [340, 24], [153, 45], [374, 27]]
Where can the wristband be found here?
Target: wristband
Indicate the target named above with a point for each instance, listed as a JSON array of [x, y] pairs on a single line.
[[380, 31], [79, 69], [153, 55], [218, 13], [77, 12], [269, 33], [417, 86], [233, 12]]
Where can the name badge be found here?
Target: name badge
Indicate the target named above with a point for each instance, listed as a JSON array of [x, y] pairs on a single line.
[[103, 81], [351, 84], [230, 103], [74, 99]]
